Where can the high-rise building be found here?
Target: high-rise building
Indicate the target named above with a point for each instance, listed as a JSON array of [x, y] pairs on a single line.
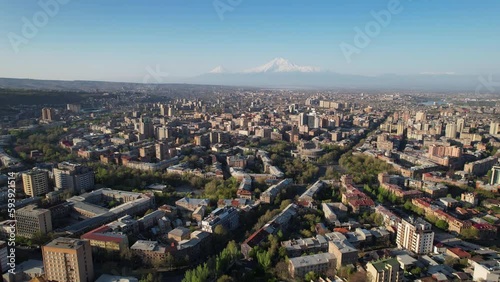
[[494, 128], [438, 127], [451, 130], [31, 220], [163, 110], [74, 177], [73, 107], [388, 270], [48, 114], [400, 128], [495, 175], [460, 124], [161, 151], [163, 133], [303, 119], [202, 140], [35, 182], [420, 116], [171, 111], [68, 259], [146, 128], [415, 235]]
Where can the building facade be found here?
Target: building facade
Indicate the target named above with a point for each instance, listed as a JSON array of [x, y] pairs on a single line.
[[35, 182], [387, 270], [31, 220], [74, 177], [415, 235], [319, 263], [67, 259]]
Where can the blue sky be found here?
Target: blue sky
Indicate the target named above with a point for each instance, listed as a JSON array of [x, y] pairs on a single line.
[[118, 39]]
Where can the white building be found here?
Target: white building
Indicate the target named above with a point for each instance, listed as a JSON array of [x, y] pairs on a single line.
[[228, 217], [415, 235], [486, 271]]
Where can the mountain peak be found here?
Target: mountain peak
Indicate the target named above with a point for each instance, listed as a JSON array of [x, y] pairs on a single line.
[[280, 64], [218, 69]]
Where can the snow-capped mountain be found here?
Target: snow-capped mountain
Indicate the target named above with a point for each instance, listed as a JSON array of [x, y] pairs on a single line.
[[281, 65], [218, 69]]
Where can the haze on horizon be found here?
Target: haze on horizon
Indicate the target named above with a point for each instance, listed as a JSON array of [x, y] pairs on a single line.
[[121, 40]]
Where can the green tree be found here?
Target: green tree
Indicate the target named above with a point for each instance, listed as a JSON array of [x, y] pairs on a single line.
[[442, 224], [225, 278], [469, 233], [264, 259], [416, 271], [311, 276]]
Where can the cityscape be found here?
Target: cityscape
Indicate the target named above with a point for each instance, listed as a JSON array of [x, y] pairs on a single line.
[[274, 171]]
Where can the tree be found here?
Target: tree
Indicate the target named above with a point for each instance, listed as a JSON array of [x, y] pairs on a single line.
[[220, 230], [380, 198], [311, 276], [416, 271], [264, 259], [408, 205], [450, 261], [441, 224], [39, 238], [147, 278], [281, 271], [469, 233], [169, 261], [225, 278], [285, 204]]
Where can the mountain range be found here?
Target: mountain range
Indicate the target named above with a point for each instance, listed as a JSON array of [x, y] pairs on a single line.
[[281, 73]]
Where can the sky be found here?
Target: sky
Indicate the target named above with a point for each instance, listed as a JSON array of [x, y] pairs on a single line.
[[119, 40]]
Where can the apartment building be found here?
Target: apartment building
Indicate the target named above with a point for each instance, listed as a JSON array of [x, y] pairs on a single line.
[[35, 182], [415, 235], [31, 220], [68, 259]]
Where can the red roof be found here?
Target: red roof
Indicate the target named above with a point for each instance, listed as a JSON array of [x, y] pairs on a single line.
[[362, 202], [99, 234], [484, 226], [341, 230], [459, 252]]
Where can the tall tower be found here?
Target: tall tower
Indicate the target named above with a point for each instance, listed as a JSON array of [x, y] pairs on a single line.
[[146, 128], [303, 119], [451, 130], [494, 127], [36, 182], [48, 114], [460, 124]]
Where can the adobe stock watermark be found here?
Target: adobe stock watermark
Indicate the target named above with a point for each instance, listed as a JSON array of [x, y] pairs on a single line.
[[488, 83], [31, 27], [363, 37], [154, 74], [11, 211], [223, 6]]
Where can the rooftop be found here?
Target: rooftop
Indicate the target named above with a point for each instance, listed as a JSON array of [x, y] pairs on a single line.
[[66, 243], [381, 264], [311, 260]]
